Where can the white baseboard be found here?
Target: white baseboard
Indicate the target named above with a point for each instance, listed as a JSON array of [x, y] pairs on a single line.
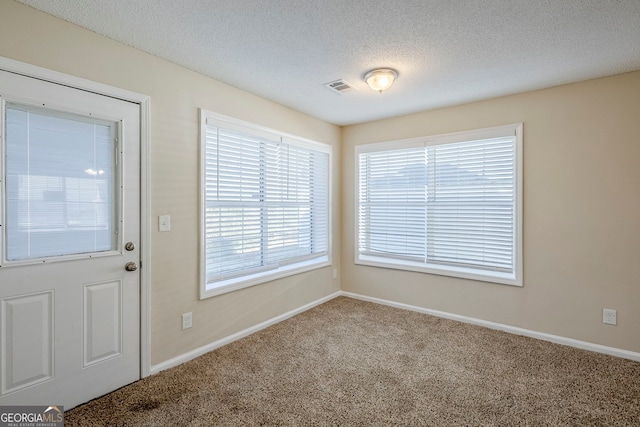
[[612, 351], [185, 357]]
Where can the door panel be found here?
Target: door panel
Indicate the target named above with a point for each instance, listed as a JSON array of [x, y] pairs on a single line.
[[102, 322], [70, 198], [28, 340]]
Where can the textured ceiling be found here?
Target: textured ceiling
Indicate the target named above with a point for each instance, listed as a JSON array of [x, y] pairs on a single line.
[[446, 52]]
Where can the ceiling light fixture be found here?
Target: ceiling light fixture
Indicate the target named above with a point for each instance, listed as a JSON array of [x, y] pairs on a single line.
[[380, 79]]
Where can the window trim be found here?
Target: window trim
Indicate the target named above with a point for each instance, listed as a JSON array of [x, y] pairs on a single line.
[[285, 270], [515, 279]]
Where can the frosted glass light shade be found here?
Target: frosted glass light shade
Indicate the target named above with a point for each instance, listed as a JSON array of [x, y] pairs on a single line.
[[380, 79]]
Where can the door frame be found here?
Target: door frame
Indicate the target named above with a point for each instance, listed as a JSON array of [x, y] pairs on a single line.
[[144, 103]]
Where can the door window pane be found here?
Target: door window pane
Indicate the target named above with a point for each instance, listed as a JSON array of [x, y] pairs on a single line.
[[60, 173]]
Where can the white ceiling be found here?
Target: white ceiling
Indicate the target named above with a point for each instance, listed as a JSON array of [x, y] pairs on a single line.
[[446, 52]]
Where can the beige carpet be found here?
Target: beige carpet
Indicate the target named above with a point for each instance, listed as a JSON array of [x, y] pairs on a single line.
[[353, 363]]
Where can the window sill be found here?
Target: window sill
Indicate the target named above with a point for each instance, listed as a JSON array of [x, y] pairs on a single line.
[[460, 272], [229, 285]]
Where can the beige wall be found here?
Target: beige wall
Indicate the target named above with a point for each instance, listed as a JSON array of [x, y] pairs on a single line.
[[176, 94], [581, 203], [581, 213]]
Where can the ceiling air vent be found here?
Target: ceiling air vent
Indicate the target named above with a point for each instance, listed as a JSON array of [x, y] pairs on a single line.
[[339, 86]]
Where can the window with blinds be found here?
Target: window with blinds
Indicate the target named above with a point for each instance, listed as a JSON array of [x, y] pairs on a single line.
[[60, 184], [449, 204], [265, 204]]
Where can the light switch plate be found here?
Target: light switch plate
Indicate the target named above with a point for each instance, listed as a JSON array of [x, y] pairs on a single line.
[[164, 223]]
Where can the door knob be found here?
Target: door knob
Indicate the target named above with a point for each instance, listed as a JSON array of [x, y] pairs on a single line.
[[131, 266]]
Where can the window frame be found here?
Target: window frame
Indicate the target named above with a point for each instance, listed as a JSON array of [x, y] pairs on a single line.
[[116, 210], [242, 281], [515, 278]]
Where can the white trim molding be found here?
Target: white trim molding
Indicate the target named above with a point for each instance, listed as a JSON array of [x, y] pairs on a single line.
[[556, 339], [185, 357]]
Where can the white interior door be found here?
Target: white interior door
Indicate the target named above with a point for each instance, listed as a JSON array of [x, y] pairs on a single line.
[[70, 202]]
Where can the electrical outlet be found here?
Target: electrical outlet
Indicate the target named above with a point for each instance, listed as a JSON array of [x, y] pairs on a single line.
[[609, 317], [335, 273], [187, 320]]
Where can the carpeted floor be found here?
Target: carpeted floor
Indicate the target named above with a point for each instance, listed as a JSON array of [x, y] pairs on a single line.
[[354, 363]]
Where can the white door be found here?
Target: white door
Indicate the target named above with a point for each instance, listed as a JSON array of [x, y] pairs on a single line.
[[70, 202]]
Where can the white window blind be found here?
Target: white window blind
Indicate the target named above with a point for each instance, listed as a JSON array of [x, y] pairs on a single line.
[[447, 207], [392, 214], [60, 180], [267, 202]]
